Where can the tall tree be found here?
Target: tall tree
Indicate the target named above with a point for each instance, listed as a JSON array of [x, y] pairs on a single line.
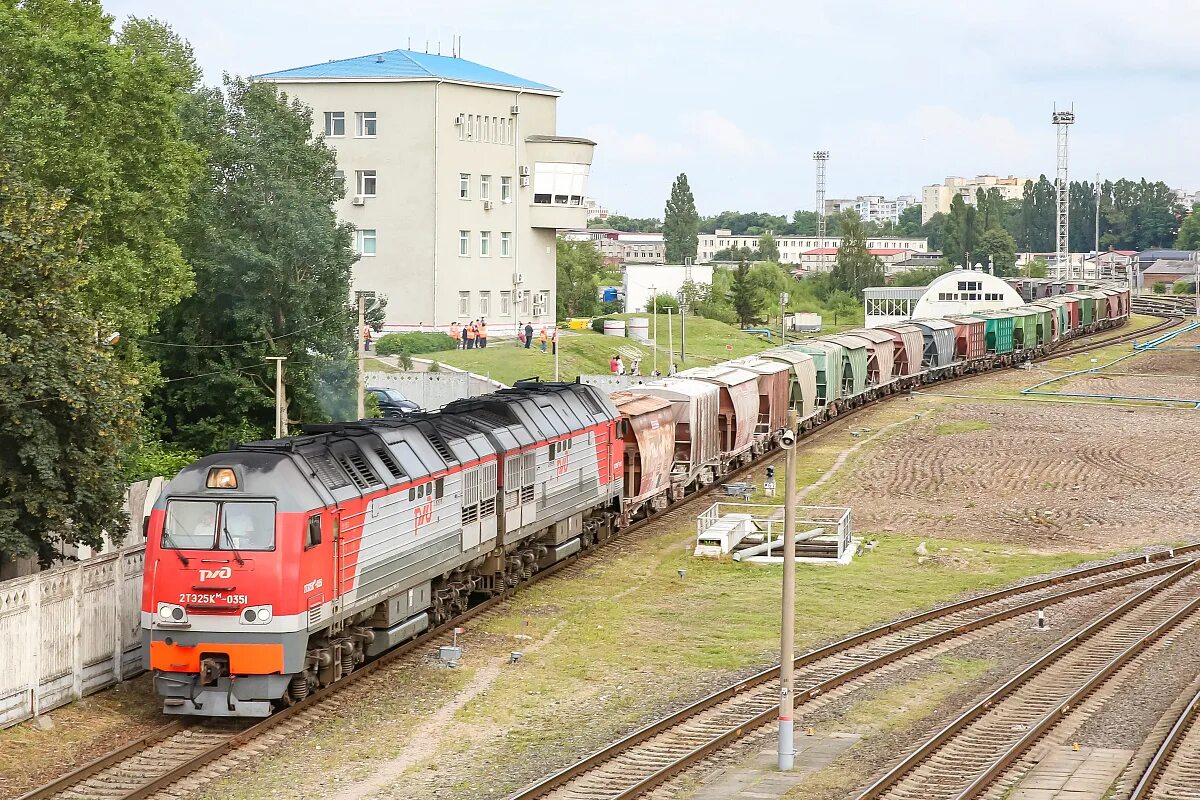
[[272, 275], [935, 231], [910, 221], [578, 269], [954, 237], [66, 414], [997, 247], [768, 250], [1189, 231], [681, 223], [745, 295], [855, 268]]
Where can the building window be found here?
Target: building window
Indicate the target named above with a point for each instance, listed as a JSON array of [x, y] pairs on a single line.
[[464, 304], [539, 303], [335, 123], [495, 129], [464, 243], [485, 187], [366, 241], [340, 177], [365, 182], [485, 243], [485, 305], [505, 244], [470, 127], [525, 302], [367, 124], [464, 186], [505, 303], [505, 188]]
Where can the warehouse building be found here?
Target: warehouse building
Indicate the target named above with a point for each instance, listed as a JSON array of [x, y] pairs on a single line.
[[961, 291]]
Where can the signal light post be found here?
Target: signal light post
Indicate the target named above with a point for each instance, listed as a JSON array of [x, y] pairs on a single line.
[[787, 634]]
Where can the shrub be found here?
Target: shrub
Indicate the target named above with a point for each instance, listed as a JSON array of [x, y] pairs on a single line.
[[405, 359], [1160, 288], [663, 301], [598, 324], [434, 367], [1183, 287], [413, 343]]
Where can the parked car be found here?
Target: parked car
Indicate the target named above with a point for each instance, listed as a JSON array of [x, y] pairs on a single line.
[[391, 402]]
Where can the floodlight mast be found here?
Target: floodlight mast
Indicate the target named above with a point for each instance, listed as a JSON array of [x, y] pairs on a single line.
[[1062, 120]]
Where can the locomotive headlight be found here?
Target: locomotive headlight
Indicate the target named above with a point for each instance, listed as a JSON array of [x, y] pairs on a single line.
[[257, 615], [169, 612]]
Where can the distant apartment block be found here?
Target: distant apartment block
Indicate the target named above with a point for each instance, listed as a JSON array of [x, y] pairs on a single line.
[[936, 199], [456, 182], [800, 249], [873, 207], [595, 210]]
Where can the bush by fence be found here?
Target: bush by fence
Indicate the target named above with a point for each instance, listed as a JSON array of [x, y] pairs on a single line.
[[413, 343]]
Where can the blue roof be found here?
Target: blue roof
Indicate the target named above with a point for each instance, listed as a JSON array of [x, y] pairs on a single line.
[[407, 64]]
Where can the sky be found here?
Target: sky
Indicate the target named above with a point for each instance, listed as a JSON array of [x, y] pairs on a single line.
[[739, 95]]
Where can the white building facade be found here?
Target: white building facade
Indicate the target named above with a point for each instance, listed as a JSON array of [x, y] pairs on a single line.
[[792, 248], [644, 281], [873, 207], [936, 199], [961, 291], [455, 180]]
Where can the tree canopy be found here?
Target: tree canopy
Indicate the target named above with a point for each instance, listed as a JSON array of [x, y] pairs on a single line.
[[579, 266], [272, 276], [855, 268]]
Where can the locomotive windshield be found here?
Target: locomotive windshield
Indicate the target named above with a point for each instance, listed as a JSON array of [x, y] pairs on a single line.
[[209, 525]]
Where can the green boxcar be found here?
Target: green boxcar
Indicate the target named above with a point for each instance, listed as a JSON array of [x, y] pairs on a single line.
[[1025, 327], [1087, 308], [1045, 326], [999, 331]]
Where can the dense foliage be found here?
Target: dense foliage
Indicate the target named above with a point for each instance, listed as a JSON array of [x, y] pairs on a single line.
[[272, 276], [413, 343], [578, 279]]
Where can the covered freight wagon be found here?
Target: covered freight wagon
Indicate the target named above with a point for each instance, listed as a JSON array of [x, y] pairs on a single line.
[[697, 443], [881, 354], [854, 370], [970, 337], [649, 448], [803, 378], [833, 376], [998, 331], [737, 412], [940, 349], [909, 343], [774, 391]]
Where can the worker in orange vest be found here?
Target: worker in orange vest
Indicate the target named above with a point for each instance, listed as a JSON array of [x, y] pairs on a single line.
[[470, 334], [455, 334], [482, 333], [542, 337]]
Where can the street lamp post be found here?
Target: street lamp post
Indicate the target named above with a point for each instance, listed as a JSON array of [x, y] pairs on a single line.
[[783, 299], [360, 348], [787, 632], [670, 341], [654, 305], [280, 413]]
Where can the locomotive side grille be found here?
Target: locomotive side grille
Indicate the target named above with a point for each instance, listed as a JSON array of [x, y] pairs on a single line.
[[358, 469], [314, 614], [439, 445], [389, 462], [488, 507], [326, 470], [470, 514], [526, 494]]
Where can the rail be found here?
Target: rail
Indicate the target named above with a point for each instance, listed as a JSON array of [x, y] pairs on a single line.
[[1162, 757]]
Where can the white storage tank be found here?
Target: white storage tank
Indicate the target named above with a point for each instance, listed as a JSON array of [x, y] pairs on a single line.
[[639, 328], [614, 327]]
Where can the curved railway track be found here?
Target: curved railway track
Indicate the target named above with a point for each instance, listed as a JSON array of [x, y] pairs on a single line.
[[657, 752], [153, 762], [965, 757], [1174, 771]]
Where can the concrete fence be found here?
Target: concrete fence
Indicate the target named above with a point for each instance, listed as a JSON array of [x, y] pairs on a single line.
[[69, 631], [432, 390]]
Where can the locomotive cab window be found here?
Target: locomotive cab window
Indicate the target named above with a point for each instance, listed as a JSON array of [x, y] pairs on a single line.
[[552, 451], [412, 493], [312, 536], [439, 488], [211, 525]]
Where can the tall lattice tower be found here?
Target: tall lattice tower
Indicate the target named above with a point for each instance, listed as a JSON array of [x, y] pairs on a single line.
[[1062, 120], [821, 156]]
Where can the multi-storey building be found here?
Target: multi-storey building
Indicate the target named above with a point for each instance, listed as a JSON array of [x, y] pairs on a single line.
[[622, 247], [792, 248], [936, 199], [456, 181], [873, 207]]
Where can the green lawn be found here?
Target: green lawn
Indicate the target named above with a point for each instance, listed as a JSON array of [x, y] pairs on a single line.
[[588, 352]]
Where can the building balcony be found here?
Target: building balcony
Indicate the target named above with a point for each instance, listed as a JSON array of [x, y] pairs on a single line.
[[557, 216]]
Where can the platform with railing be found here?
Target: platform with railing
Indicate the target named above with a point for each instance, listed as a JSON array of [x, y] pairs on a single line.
[[753, 533]]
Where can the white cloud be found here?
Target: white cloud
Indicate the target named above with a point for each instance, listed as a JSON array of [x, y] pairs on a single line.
[[722, 136]]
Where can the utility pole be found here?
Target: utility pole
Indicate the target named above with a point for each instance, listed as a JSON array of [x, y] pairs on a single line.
[[654, 305], [670, 341], [360, 342], [556, 344], [1097, 226], [280, 405], [787, 633], [783, 299], [687, 279]]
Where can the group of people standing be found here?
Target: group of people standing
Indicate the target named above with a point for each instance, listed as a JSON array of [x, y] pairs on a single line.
[[525, 336], [616, 365], [470, 335]]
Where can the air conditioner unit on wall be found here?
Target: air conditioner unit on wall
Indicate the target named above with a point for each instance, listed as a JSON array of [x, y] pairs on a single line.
[[359, 200], [461, 119], [515, 110], [524, 180], [487, 205], [518, 278], [523, 171]]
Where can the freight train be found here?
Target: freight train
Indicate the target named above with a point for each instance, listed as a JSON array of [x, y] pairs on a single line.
[[278, 567]]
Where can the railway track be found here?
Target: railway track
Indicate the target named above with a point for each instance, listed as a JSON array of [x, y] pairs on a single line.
[[149, 764], [1174, 771], [965, 757], [657, 752]]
